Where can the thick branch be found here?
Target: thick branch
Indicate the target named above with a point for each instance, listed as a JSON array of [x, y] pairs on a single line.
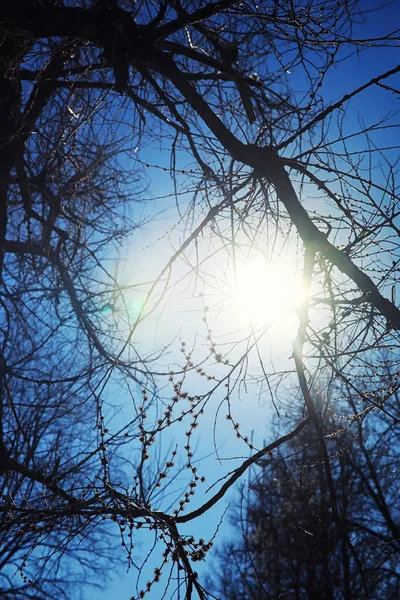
[[267, 163], [309, 233], [239, 472]]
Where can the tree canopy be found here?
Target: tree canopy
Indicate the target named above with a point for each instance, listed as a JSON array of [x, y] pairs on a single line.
[[285, 545], [279, 157]]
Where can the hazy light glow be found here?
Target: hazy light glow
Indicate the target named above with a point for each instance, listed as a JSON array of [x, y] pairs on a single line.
[[269, 293]]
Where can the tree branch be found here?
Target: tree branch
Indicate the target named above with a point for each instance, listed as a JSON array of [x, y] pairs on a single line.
[[239, 472]]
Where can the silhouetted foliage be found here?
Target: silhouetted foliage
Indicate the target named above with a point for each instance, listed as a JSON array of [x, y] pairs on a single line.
[[286, 544], [229, 105]]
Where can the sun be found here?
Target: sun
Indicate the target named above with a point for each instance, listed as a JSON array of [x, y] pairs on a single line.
[[269, 293]]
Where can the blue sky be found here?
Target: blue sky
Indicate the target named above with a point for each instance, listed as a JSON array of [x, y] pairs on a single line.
[[182, 316]]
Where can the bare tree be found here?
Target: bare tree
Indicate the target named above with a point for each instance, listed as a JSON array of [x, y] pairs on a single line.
[[256, 161], [286, 544]]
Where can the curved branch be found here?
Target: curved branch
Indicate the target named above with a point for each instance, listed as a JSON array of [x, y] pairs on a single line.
[[239, 472]]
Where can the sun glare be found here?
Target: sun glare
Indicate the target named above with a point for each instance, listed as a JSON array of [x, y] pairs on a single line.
[[269, 293]]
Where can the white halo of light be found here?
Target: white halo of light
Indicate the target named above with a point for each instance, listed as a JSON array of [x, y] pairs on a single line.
[[269, 293]]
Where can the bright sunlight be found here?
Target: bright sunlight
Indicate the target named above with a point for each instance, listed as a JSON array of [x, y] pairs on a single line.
[[269, 293]]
